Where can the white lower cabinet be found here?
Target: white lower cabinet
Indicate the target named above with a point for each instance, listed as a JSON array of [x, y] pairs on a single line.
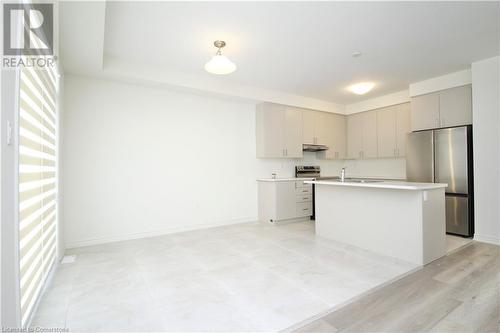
[[284, 200]]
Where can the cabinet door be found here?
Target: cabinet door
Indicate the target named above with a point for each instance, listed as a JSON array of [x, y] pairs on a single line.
[[325, 123], [308, 126], [370, 134], [425, 112], [322, 128], [339, 137], [386, 129], [286, 205], [293, 132], [354, 136], [403, 128], [455, 106], [270, 131]]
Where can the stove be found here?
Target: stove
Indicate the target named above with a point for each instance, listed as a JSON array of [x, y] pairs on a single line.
[[310, 171]]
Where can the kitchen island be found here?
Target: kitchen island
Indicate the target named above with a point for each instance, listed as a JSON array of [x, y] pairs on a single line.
[[394, 218]]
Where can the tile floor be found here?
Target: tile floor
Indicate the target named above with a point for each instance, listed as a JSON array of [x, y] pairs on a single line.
[[454, 243], [245, 277]]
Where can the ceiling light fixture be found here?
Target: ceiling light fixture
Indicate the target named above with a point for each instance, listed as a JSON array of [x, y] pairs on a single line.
[[220, 64], [361, 88]]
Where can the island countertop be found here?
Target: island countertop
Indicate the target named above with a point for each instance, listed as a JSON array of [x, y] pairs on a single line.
[[395, 185], [290, 179]]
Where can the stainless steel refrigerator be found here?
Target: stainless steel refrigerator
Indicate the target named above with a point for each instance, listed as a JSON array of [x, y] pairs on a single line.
[[445, 156]]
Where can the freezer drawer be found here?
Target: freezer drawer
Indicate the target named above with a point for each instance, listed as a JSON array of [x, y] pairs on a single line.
[[457, 215], [451, 159]]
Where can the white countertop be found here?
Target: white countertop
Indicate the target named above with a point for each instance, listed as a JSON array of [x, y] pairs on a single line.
[[283, 179], [396, 185]]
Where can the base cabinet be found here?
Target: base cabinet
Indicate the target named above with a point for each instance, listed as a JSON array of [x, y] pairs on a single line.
[[284, 201]]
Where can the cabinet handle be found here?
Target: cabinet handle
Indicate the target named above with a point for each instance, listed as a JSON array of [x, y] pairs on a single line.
[[305, 208], [394, 152], [286, 151], [437, 122], [398, 151], [305, 198]]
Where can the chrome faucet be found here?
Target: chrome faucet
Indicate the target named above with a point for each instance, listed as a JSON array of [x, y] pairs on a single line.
[[342, 175]]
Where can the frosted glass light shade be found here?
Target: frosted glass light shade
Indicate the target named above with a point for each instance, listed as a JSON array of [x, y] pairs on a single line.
[[362, 87], [220, 64]]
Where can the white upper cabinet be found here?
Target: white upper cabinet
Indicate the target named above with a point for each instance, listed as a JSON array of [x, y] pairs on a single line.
[[323, 128], [338, 144], [308, 126], [455, 106], [386, 125], [369, 135], [447, 108], [393, 126], [315, 127], [403, 127], [355, 136], [293, 132], [333, 135], [425, 112], [362, 135], [278, 131]]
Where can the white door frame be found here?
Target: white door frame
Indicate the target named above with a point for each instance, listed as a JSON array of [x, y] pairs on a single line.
[[9, 230]]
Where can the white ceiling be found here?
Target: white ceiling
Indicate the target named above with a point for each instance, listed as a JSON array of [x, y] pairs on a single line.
[[303, 48]]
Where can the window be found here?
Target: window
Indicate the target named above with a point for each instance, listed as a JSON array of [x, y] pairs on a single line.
[[37, 183]]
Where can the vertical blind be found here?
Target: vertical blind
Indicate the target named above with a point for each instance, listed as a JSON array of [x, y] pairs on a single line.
[[37, 183]]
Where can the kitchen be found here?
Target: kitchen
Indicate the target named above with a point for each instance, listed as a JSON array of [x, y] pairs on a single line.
[[259, 167], [380, 133]]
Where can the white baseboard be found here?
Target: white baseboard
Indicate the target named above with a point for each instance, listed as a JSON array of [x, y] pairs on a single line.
[[487, 239], [147, 234]]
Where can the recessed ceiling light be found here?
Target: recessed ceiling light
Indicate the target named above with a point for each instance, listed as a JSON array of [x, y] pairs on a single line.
[[220, 64], [357, 54], [361, 88]]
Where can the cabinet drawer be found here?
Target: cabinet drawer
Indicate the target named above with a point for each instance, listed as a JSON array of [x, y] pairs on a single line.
[[304, 209], [304, 197], [303, 190], [302, 184]]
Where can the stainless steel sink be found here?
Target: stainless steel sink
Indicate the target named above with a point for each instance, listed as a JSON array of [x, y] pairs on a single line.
[[363, 181]]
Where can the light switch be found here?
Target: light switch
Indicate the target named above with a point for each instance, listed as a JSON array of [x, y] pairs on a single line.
[[9, 133]]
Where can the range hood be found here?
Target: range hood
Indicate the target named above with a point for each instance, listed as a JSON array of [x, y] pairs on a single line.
[[309, 147]]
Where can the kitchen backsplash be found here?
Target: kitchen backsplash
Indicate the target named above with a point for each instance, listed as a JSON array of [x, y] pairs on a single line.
[[383, 168]]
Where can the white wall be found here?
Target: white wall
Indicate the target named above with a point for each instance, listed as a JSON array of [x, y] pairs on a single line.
[[451, 80], [141, 161], [378, 102], [486, 127]]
